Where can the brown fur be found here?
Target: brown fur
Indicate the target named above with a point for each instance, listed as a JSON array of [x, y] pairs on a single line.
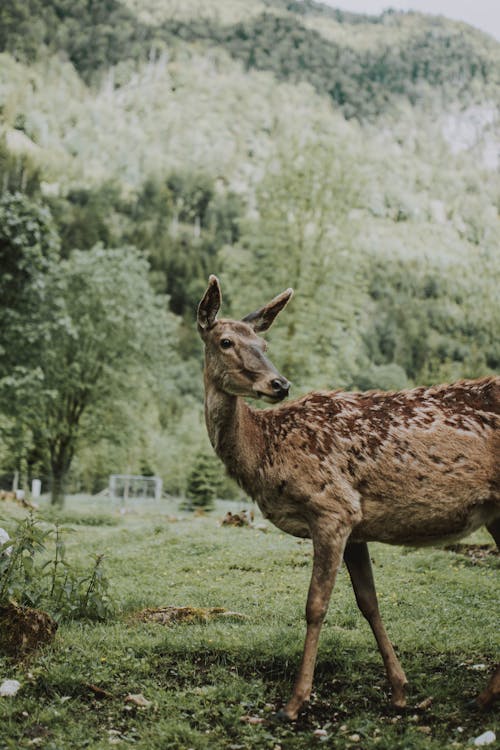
[[413, 467]]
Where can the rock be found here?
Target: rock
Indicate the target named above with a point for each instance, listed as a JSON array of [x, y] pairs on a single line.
[[320, 733], [4, 537], [138, 700], [9, 688], [485, 739], [252, 719], [425, 704]]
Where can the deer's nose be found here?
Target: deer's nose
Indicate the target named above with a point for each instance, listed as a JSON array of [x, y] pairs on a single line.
[[280, 386]]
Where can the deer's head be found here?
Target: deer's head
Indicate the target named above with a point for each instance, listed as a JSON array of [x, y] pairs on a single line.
[[235, 358]]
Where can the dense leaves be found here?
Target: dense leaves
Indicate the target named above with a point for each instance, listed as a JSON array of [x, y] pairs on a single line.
[[29, 245], [362, 82], [204, 481], [430, 325], [84, 328]]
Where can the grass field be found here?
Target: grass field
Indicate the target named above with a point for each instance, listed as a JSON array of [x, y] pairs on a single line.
[[441, 609]]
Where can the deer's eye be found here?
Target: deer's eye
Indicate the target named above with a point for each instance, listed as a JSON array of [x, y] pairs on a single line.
[[226, 343]]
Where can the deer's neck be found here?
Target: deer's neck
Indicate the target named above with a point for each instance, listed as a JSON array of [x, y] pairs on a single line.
[[234, 432]]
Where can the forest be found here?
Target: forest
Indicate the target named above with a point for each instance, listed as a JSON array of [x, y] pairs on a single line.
[[146, 145]]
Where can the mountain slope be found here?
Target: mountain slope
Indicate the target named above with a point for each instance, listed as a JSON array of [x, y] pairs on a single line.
[[404, 55]]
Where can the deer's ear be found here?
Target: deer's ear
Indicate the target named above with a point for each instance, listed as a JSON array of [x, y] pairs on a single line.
[[209, 305], [262, 319]]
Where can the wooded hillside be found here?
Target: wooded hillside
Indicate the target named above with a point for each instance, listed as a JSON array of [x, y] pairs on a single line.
[[274, 143]]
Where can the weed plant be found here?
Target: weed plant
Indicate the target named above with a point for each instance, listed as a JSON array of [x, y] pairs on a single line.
[[30, 578]]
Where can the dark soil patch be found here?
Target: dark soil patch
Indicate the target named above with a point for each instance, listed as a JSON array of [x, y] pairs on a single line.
[[171, 615], [475, 552], [23, 629]]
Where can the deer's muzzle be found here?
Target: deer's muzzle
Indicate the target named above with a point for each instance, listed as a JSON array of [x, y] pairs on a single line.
[[277, 390]]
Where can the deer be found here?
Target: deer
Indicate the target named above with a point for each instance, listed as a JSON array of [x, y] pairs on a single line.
[[413, 467]]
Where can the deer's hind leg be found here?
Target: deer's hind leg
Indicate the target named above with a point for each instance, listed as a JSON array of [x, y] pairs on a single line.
[[494, 529], [357, 560]]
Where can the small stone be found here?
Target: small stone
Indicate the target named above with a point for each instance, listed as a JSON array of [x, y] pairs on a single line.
[[354, 737], [425, 704], [252, 719], [138, 700], [485, 739], [4, 538], [320, 733], [424, 730], [9, 688]]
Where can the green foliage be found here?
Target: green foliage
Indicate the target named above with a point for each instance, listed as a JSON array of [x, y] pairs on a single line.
[[88, 216], [204, 481], [29, 247], [29, 250], [302, 236], [52, 584], [180, 222], [93, 34], [18, 172], [77, 518], [98, 329], [361, 82], [424, 321]]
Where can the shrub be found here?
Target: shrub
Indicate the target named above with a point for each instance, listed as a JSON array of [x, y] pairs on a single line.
[[204, 481]]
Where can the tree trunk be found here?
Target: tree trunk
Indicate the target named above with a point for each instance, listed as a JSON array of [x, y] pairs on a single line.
[[61, 455], [57, 489]]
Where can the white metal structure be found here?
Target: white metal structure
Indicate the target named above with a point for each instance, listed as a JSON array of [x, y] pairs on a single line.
[[126, 487]]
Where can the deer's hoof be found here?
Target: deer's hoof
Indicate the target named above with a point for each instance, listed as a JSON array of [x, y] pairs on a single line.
[[398, 703], [481, 703], [398, 697], [281, 717]]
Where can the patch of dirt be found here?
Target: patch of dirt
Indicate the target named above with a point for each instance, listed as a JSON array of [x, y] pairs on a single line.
[[172, 615], [475, 552], [23, 629]]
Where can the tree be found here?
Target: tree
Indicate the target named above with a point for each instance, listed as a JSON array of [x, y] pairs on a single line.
[[303, 237], [103, 330], [432, 324], [204, 481], [29, 248]]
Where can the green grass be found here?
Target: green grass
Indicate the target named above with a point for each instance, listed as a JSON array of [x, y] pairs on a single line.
[[441, 610]]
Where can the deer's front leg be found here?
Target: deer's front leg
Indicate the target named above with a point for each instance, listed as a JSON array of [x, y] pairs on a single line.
[[328, 544]]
